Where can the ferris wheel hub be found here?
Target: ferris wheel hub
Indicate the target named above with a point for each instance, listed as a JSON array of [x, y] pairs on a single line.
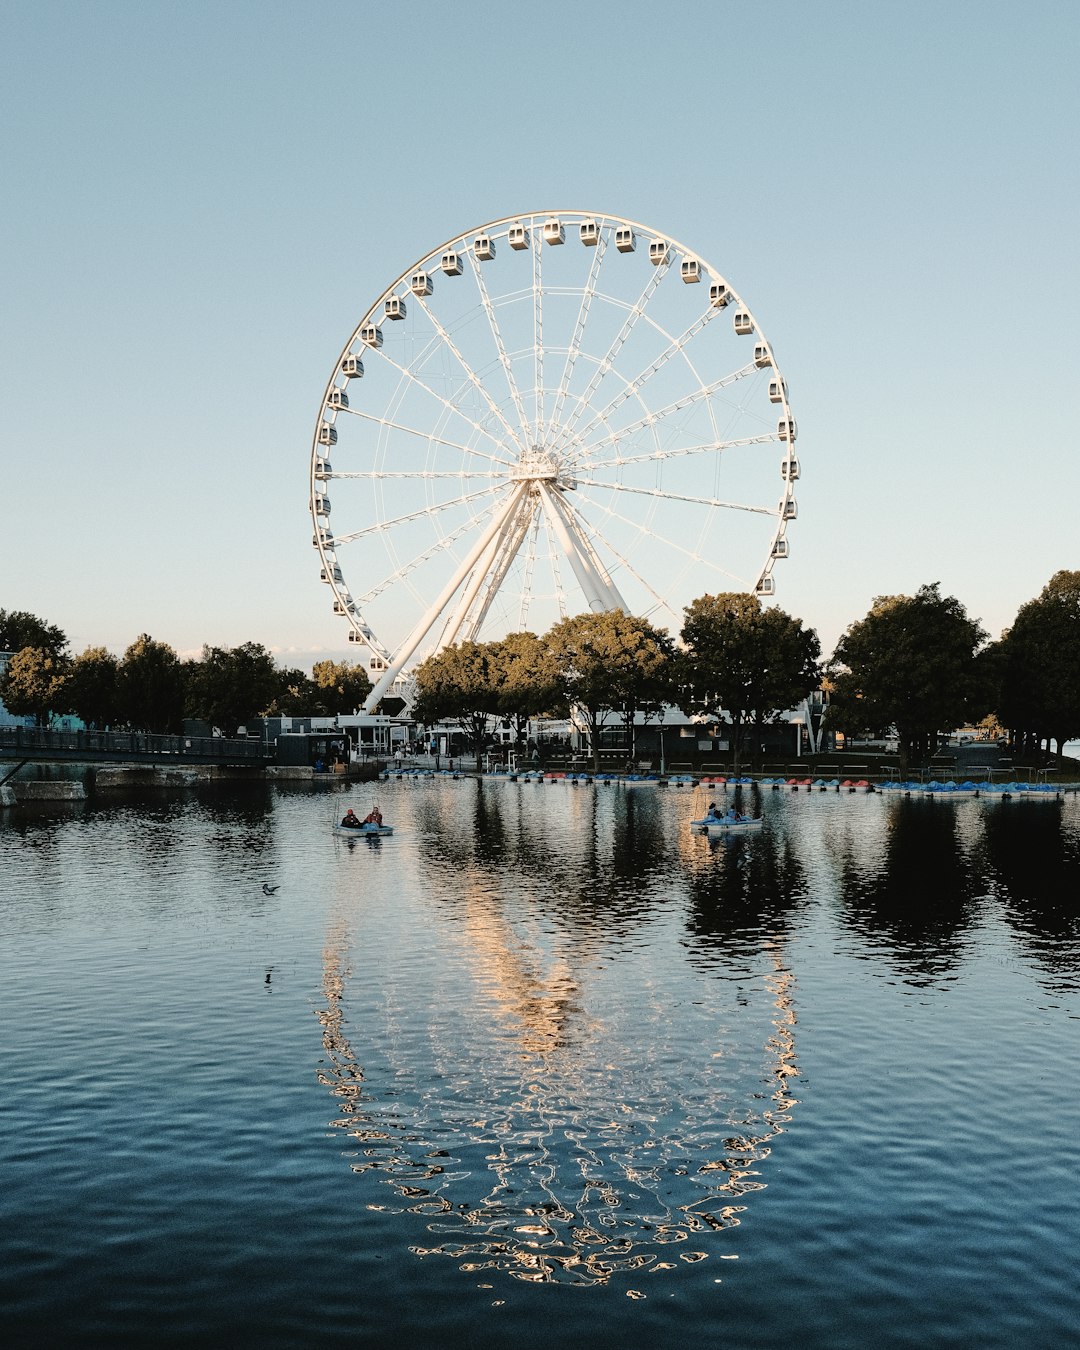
[[541, 464]]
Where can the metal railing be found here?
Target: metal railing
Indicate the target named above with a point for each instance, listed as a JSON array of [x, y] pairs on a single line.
[[35, 743]]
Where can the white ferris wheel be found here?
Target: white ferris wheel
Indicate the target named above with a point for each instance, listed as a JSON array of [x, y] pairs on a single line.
[[555, 412]]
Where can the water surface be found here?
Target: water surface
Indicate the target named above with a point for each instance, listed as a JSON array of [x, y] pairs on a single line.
[[543, 1068]]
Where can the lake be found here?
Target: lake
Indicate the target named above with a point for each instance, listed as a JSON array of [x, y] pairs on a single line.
[[542, 1068]]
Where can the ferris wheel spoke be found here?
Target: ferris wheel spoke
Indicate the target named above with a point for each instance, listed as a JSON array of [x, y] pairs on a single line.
[[662, 414], [454, 408], [711, 502], [582, 402], [588, 294], [380, 526], [674, 348], [500, 346], [421, 475], [430, 437], [678, 452], [529, 569], [470, 374], [538, 344], [406, 569], [639, 528]]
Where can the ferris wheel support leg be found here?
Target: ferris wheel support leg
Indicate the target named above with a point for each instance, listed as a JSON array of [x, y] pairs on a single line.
[[599, 589], [404, 653], [506, 542]]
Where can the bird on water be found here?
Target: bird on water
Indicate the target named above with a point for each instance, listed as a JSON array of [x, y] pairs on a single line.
[[268, 890]]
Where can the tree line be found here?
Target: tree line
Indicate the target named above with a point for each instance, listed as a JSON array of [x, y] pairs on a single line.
[[919, 664], [150, 688]]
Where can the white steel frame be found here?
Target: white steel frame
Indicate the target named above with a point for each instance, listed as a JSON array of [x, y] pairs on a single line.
[[538, 447]]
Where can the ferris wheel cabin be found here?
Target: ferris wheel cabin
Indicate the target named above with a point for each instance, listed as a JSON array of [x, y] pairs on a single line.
[[518, 237], [690, 270], [451, 264], [744, 325], [337, 400], [590, 233], [484, 247], [624, 239], [420, 283], [352, 367], [719, 295], [554, 232]]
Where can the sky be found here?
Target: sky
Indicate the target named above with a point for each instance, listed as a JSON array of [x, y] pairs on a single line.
[[201, 201]]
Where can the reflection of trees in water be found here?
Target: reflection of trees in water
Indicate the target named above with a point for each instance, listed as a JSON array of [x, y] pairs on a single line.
[[1034, 859], [569, 1117], [912, 905], [609, 848], [741, 889]]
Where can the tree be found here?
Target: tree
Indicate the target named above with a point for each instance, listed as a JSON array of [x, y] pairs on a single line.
[[339, 686], [909, 663], [92, 691], [608, 661], [33, 684], [1038, 665], [743, 664], [523, 669], [151, 686], [295, 695], [456, 684], [231, 685], [19, 629]]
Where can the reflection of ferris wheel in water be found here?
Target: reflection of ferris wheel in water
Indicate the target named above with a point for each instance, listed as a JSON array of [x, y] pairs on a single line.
[[543, 416]]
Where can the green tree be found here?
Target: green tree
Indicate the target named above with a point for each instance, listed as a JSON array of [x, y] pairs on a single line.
[[910, 663], [745, 665], [526, 678], [19, 629], [151, 682], [92, 691], [457, 685], [339, 687], [1038, 666], [231, 685], [295, 695], [608, 662], [33, 685]]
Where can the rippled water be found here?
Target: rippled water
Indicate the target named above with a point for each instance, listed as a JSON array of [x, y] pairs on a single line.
[[543, 1068]]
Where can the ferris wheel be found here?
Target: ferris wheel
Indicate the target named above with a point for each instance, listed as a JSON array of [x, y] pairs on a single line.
[[555, 412]]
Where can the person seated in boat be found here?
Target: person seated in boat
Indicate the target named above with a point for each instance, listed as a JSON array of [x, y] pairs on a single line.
[[373, 817], [349, 820], [711, 814]]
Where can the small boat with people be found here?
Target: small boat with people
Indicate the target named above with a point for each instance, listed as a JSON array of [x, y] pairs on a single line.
[[372, 825], [726, 822]]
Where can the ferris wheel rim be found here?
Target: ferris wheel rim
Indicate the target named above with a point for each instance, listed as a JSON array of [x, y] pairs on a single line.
[[360, 629]]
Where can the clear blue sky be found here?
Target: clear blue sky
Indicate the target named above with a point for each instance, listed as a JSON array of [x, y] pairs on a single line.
[[200, 201]]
